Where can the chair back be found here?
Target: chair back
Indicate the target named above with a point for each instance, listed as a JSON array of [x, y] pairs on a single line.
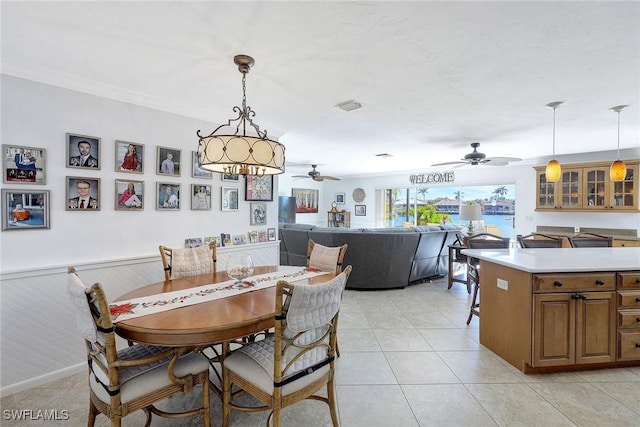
[[590, 240], [305, 329], [539, 240], [325, 258], [184, 262], [486, 241]]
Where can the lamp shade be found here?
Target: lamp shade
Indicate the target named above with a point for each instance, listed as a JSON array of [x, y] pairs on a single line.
[[618, 171], [246, 155], [471, 212], [553, 171]]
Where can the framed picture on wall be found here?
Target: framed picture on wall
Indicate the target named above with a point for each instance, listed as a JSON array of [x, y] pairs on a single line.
[[258, 188], [83, 193], [271, 234], [168, 196], [230, 178], [258, 213], [306, 200], [129, 195], [83, 151], [361, 210], [168, 161], [24, 165], [200, 197], [129, 157], [340, 197], [196, 170], [25, 209], [229, 198]]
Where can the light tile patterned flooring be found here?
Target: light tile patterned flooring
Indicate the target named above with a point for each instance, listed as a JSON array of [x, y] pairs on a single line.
[[408, 359]]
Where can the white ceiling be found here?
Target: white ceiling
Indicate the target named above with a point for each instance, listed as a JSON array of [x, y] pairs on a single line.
[[432, 76]]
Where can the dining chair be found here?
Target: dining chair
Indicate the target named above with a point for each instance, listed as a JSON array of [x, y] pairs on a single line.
[[480, 241], [296, 361], [539, 240], [137, 377], [183, 262], [590, 240]]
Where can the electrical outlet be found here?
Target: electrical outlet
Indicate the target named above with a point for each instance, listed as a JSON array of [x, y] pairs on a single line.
[[503, 284], [576, 229]]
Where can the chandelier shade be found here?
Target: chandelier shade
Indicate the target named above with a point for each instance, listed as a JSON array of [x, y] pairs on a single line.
[[553, 170], [618, 170], [236, 152]]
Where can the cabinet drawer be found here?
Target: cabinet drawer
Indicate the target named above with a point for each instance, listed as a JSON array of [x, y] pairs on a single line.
[[628, 299], [570, 282], [628, 345], [629, 280], [629, 319]]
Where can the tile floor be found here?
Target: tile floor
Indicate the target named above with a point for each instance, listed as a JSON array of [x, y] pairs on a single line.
[[409, 359]]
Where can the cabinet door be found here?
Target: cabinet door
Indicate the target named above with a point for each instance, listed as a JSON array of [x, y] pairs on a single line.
[[624, 194], [596, 327], [596, 188], [570, 188], [553, 330], [545, 192]]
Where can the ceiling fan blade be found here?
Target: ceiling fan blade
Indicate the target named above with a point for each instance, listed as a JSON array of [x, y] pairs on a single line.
[[492, 163], [318, 178], [332, 178], [450, 163], [300, 176], [503, 159]]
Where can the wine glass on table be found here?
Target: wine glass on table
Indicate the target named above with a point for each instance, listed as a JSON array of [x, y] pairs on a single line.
[[239, 266]]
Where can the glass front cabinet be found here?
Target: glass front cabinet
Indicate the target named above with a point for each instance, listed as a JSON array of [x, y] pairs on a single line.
[[587, 187]]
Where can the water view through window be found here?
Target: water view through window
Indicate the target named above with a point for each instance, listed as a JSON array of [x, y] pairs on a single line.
[[430, 205]]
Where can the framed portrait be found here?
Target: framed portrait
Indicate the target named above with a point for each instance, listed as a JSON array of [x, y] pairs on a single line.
[[83, 193], [306, 200], [200, 197], [167, 196], [360, 210], [129, 195], [253, 236], [168, 161], [258, 188], [229, 198], [258, 213], [193, 242], [271, 234], [129, 157], [21, 164], [262, 236], [230, 178], [196, 170], [83, 151], [340, 197], [25, 209]]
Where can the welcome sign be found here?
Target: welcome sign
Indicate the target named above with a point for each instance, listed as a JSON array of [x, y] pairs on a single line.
[[432, 178]]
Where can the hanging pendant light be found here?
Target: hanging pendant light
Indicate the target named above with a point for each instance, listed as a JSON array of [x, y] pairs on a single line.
[[618, 170], [553, 170], [236, 152]]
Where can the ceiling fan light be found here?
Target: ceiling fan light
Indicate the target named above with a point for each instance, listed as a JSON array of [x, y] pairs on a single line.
[[553, 171], [618, 171]]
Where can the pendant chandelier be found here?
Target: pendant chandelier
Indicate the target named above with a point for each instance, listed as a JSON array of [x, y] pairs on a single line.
[[235, 152], [553, 170], [618, 170]]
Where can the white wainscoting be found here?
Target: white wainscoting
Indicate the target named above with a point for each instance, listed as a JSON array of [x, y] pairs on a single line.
[[37, 320]]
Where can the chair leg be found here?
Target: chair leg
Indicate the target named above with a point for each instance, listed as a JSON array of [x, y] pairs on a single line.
[[275, 416], [226, 399], [206, 413], [332, 403], [474, 304]]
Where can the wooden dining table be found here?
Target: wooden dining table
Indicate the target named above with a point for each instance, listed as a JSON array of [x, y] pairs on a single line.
[[206, 323]]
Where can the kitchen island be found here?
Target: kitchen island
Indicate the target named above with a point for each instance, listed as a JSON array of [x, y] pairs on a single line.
[[546, 310]]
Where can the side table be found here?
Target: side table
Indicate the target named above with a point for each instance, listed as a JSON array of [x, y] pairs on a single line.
[[456, 258]]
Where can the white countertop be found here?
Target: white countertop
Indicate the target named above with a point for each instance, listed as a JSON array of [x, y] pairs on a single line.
[[542, 260]]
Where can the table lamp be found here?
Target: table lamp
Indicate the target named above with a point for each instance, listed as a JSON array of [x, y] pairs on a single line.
[[471, 213]]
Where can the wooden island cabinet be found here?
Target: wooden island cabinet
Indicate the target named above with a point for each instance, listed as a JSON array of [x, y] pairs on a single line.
[[546, 310]]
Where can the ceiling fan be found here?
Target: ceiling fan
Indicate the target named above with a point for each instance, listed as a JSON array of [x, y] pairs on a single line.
[[316, 176], [478, 158]]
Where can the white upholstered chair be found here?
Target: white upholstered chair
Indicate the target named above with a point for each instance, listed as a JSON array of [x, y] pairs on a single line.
[[296, 361], [136, 377], [183, 262], [325, 258]]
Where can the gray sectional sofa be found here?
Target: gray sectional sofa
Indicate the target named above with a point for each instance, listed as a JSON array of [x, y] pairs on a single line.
[[381, 257]]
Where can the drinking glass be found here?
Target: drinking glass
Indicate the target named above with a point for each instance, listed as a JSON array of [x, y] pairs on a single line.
[[239, 266]]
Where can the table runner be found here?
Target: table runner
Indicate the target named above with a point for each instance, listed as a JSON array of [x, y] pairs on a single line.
[[142, 306]]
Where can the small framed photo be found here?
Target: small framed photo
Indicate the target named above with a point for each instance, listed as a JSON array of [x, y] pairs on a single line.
[[129, 157], [23, 165], [253, 236], [262, 236], [200, 197], [258, 213], [340, 197], [129, 195], [193, 242], [258, 188], [25, 209], [230, 178], [360, 210], [83, 151], [168, 196], [239, 239], [196, 170], [83, 193], [271, 234], [168, 161], [229, 198]]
